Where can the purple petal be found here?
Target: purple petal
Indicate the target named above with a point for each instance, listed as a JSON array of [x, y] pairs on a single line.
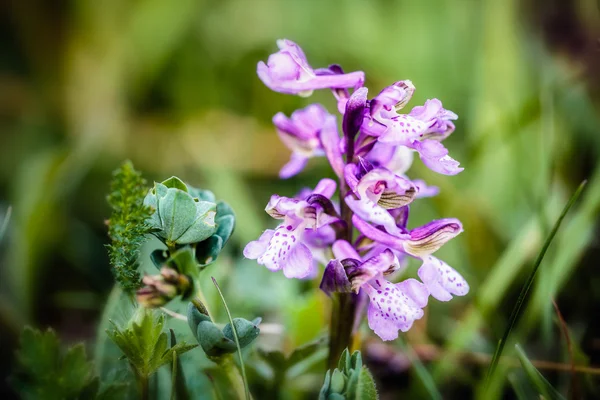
[[353, 115], [437, 119], [424, 190], [287, 71], [390, 309], [330, 140], [281, 247], [435, 157], [383, 263], [371, 211], [299, 263], [256, 248], [378, 235], [350, 172], [397, 159], [335, 279], [402, 130], [280, 207], [392, 97], [342, 250], [325, 187], [441, 280], [294, 166], [428, 238]]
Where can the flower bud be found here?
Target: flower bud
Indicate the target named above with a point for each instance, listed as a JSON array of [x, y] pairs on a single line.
[[160, 289]]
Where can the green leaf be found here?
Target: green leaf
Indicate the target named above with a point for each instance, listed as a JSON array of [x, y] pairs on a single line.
[[44, 372], [145, 344], [175, 183], [516, 312], [235, 336], [5, 221], [178, 387], [543, 387], [366, 389]]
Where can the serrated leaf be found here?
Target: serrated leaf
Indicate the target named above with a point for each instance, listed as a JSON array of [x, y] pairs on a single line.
[[43, 372]]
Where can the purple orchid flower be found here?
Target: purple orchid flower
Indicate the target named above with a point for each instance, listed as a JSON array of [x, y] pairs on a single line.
[[441, 279], [288, 71], [375, 191], [421, 130], [301, 134], [285, 248], [370, 157], [392, 307]]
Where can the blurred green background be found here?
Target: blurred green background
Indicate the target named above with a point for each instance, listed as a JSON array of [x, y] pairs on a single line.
[[172, 86]]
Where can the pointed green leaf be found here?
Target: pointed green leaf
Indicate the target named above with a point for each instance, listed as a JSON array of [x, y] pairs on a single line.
[[543, 387]]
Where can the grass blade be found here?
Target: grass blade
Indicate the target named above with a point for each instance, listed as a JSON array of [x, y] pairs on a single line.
[[543, 387], [5, 222], [235, 336], [516, 312], [422, 372]]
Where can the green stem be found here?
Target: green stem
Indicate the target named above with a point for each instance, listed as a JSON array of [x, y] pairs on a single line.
[[143, 383], [343, 310], [232, 373]]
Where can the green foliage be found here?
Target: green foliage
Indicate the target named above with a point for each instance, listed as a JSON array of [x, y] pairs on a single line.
[[215, 341], [45, 372], [4, 223], [350, 380], [516, 312], [180, 218], [543, 387], [127, 225], [144, 343]]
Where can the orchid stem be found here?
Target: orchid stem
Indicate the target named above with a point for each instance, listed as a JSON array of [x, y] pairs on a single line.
[[343, 310]]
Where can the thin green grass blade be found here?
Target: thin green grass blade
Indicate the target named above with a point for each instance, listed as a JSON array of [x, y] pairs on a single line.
[[422, 372], [544, 388], [235, 336], [516, 312], [5, 222]]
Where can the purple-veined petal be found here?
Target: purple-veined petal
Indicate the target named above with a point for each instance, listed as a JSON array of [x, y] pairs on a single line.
[[294, 166], [435, 156], [385, 262], [280, 207], [390, 309], [441, 280], [436, 117], [256, 248], [299, 262], [386, 188], [335, 279], [428, 238], [330, 140]]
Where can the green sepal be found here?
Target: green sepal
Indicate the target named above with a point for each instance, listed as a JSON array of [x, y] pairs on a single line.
[[338, 382], [159, 257], [213, 341], [246, 330]]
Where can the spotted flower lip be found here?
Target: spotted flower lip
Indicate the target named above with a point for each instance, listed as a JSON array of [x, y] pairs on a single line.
[[287, 247], [301, 134], [418, 242], [441, 280], [288, 71]]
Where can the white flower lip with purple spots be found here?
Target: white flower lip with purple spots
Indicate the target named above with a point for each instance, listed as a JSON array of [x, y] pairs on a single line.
[[370, 153]]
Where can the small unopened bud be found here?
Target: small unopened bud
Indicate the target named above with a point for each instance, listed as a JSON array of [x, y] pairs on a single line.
[[160, 289]]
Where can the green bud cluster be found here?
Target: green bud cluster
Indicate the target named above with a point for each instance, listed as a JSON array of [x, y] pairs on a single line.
[[184, 215], [194, 226], [217, 342], [350, 380]]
